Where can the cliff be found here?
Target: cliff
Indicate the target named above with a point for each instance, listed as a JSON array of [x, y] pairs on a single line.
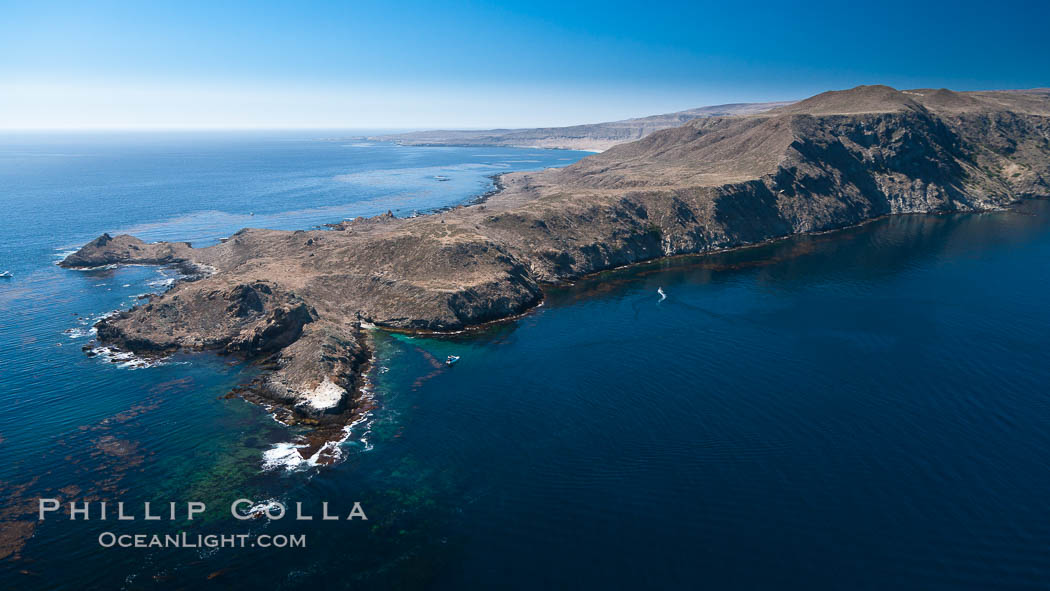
[[298, 299]]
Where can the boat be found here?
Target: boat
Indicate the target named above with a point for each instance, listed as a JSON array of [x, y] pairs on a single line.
[[451, 360], [5, 275]]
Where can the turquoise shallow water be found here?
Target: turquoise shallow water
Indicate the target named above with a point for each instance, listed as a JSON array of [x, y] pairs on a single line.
[[80, 428], [864, 409]]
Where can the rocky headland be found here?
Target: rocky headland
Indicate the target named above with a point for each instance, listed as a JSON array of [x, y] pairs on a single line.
[[300, 301]]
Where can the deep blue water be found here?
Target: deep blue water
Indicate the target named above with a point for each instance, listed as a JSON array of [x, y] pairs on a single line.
[[866, 409]]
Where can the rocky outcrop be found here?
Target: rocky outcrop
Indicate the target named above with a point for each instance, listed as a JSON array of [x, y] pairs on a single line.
[[251, 318], [317, 374], [298, 299], [107, 250]]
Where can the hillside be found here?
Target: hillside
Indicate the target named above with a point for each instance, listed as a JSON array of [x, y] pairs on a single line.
[[594, 137]]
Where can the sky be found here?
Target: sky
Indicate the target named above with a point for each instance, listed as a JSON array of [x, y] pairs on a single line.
[[387, 65]]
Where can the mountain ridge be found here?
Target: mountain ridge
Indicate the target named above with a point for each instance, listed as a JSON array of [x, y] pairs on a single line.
[[586, 137]]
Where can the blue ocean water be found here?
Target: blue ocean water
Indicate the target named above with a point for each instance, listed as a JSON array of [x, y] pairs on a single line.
[[864, 409]]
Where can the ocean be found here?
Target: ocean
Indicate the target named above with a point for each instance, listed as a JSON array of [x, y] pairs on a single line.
[[862, 409]]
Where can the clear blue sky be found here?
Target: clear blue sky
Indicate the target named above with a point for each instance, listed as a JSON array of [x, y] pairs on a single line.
[[424, 64]]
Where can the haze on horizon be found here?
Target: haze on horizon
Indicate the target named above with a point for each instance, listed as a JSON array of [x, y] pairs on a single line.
[[371, 65]]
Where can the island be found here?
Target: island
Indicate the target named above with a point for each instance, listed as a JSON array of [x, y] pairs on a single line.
[[303, 303]]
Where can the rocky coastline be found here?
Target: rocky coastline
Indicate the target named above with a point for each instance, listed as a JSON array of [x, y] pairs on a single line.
[[300, 303]]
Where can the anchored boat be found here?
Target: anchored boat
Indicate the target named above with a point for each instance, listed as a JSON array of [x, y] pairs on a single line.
[[451, 360]]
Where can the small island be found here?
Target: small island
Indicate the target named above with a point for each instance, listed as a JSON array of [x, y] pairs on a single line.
[[302, 302]]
